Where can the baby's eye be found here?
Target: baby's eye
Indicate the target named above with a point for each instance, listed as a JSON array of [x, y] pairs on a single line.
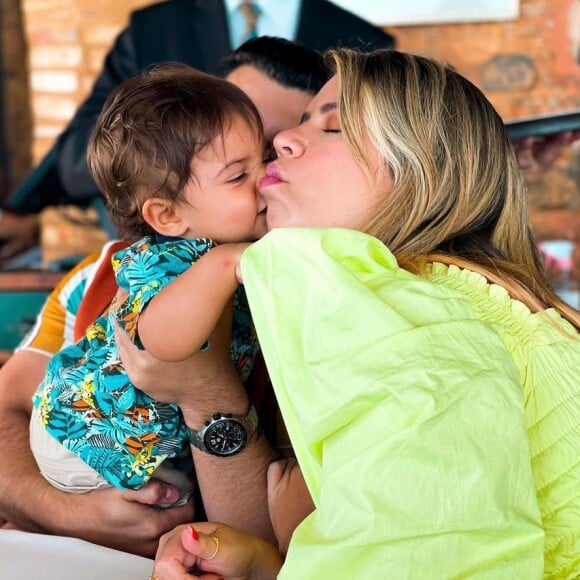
[[329, 130], [238, 177]]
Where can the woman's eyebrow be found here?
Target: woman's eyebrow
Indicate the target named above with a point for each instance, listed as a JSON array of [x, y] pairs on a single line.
[[323, 109]]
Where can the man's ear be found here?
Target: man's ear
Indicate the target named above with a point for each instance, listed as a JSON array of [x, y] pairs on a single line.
[[160, 214]]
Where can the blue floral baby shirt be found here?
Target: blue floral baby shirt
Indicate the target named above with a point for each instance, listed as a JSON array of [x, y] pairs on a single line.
[[87, 401]]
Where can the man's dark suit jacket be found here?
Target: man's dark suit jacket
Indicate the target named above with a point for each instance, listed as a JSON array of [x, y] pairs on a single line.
[[194, 32]]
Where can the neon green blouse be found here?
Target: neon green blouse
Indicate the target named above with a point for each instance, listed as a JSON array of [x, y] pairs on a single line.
[[436, 420]]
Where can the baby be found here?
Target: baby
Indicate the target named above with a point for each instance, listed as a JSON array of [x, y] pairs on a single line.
[[177, 154]]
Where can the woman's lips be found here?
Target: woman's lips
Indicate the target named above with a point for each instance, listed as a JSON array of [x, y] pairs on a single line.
[[272, 176], [268, 180]]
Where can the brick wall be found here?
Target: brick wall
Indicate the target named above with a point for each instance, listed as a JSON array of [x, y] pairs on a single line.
[[526, 66], [68, 40]]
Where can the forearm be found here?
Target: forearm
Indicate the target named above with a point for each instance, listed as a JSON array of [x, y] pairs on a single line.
[[20, 481], [110, 517], [27, 500], [233, 488]]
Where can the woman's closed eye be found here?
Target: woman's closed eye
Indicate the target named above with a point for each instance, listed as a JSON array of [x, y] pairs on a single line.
[[332, 130]]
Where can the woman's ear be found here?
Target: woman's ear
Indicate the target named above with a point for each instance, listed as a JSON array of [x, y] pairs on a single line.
[[160, 214]]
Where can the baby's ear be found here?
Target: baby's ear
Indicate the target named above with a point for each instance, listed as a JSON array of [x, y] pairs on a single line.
[[160, 214]]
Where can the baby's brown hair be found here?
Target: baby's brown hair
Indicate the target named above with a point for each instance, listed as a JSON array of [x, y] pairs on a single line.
[[149, 131]]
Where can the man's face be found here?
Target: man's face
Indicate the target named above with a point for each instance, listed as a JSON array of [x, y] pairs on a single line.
[[280, 107]]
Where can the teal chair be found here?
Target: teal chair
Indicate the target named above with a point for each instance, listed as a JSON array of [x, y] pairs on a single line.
[[22, 295]]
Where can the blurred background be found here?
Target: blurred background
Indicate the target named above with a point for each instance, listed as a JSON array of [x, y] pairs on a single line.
[[527, 64], [52, 50]]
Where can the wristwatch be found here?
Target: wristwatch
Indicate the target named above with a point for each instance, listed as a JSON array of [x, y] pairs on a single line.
[[225, 434]]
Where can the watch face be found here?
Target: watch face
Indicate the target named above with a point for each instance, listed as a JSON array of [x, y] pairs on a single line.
[[225, 437]]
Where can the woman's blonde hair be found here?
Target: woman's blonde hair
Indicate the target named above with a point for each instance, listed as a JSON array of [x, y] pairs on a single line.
[[458, 196]]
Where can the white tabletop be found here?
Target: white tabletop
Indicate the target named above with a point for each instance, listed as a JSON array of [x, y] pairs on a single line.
[[25, 556]]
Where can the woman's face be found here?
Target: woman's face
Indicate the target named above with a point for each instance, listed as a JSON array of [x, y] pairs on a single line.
[[316, 182]]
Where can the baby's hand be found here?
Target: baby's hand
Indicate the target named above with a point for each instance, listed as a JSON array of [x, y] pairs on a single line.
[[289, 501]]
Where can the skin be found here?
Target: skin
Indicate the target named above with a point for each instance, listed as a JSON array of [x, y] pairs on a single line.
[[122, 520], [537, 155], [289, 501], [125, 520], [220, 202], [316, 182], [17, 233], [312, 183], [279, 106], [234, 558], [296, 190]]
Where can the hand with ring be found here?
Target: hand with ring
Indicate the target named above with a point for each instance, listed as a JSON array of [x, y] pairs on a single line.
[[211, 551]]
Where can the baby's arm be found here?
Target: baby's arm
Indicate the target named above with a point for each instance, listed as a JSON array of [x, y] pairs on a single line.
[[177, 321]]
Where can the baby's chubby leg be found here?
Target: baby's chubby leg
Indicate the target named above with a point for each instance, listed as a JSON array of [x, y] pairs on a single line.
[[289, 501]]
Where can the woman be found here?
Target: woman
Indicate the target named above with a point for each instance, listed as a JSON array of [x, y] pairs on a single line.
[[426, 373]]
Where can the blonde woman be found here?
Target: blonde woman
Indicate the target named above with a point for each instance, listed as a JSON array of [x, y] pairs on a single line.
[[427, 375]]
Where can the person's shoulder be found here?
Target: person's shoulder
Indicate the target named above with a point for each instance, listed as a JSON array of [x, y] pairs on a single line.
[[161, 10], [368, 33]]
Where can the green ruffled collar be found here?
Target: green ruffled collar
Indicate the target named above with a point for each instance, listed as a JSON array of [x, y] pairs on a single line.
[[496, 304]]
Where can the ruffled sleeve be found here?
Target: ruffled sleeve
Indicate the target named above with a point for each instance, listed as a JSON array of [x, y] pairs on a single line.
[[546, 351], [405, 412]]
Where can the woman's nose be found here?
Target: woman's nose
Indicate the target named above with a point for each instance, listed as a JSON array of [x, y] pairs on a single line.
[[288, 143]]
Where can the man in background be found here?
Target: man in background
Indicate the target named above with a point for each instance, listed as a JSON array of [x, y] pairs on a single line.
[[199, 33]]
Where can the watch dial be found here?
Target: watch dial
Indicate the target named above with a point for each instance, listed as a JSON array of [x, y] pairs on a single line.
[[225, 437]]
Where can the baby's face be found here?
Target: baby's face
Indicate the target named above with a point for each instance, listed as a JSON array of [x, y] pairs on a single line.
[[221, 201]]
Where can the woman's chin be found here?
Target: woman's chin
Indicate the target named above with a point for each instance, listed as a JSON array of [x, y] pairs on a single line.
[[271, 222], [276, 220]]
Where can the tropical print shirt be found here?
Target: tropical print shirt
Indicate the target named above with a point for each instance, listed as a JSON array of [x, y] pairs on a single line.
[[87, 401]]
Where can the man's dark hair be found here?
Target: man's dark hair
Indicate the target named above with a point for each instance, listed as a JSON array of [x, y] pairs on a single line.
[[288, 63]]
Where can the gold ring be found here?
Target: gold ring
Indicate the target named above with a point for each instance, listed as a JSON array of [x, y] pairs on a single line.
[[153, 577], [216, 541]]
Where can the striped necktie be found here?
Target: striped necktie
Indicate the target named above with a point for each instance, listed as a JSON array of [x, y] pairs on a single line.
[[251, 12]]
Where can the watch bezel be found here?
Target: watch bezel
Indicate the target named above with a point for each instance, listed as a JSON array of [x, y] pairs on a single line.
[[247, 426], [220, 424]]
